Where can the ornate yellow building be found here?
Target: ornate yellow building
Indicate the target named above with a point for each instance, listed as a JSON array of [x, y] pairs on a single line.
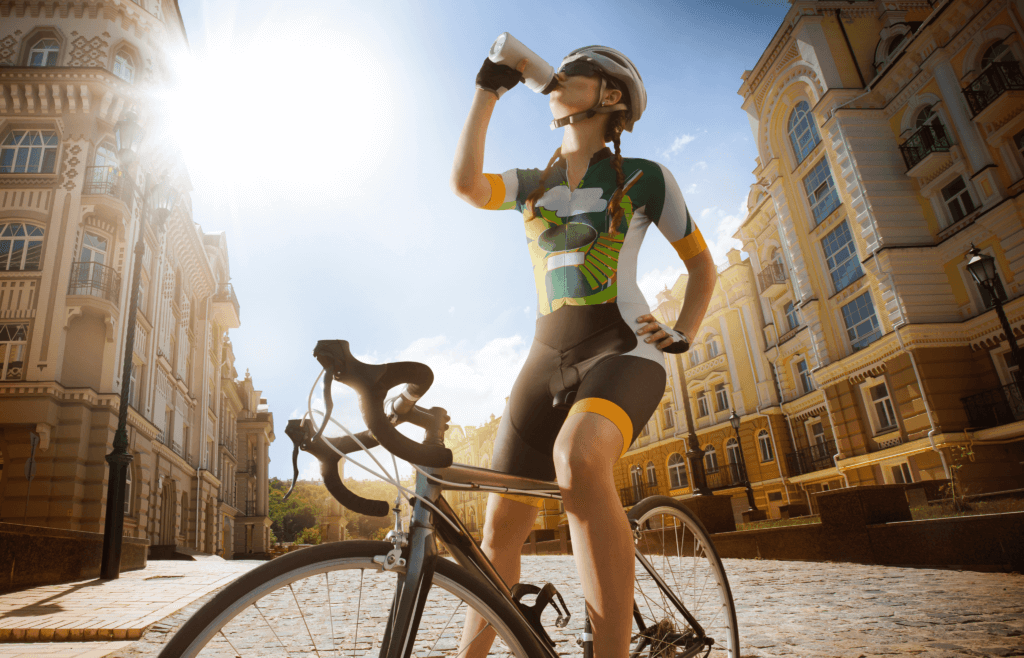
[[890, 139], [69, 218]]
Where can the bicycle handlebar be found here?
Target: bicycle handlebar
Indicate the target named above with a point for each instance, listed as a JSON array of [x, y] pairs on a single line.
[[371, 383]]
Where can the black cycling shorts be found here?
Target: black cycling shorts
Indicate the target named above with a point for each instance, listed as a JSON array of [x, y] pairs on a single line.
[[584, 350]]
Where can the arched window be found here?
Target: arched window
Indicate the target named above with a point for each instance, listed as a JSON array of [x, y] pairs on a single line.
[[895, 43], [669, 418], [802, 131], [997, 52], [694, 357], [124, 66], [652, 476], [712, 347], [732, 451], [765, 444], [21, 247], [128, 490], [104, 173], [677, 471], [44, 53], [710, 459], [28, 152], [776, 257], [634, 474]]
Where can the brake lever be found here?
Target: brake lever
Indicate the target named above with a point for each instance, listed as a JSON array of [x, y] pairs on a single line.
[[295, 467]]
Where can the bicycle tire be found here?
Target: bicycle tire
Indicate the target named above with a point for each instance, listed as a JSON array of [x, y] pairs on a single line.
[[716, 613], [278, 575]]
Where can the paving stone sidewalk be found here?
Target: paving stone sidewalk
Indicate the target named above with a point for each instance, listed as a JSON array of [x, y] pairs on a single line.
[[118, 609], [824, 610]]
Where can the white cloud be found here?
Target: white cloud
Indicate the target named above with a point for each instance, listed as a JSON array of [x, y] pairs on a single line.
[[677, 145], [451, 310], [653, 282], [526, 310], [692, 189], [699, 165], [717, 226]]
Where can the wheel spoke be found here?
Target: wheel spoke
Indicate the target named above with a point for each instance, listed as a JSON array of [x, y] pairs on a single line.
[[330, 613], [283, 646], [304, 623]]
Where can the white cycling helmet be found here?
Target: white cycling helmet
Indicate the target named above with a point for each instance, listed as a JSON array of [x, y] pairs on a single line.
[[612, 64]]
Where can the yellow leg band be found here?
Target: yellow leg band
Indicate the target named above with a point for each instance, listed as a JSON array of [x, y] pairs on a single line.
[[529, 500], [612, 412]]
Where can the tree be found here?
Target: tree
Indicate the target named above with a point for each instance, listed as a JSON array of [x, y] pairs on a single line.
[[303, 509]]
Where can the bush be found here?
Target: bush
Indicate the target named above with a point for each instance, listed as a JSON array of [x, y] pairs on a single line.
[[308, 536]]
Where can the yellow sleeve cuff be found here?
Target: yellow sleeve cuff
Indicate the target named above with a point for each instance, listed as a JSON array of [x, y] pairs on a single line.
[[497, 191], [691, 245]]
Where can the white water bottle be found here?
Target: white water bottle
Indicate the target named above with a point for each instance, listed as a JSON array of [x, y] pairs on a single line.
[[508, 50]]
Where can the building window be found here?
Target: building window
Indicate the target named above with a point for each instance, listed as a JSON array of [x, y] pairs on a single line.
[[694, 358], [677, 471], [712, 348], [802, 131], [702, 404], [883, 406], [895, 43], [128, 489], [669, 419], [958, 199], [710, 459], [652, 476], [28, 152], [133, 385], [721, 397], [643, 432], [805, 376], [791, 317], [13, 338], [998, 52], [44, 53], [861, 322], [821, 191], [901, 474], [732, 452], [21, 247], [841, 256], [765, 444], [124, 66], [817, 434]]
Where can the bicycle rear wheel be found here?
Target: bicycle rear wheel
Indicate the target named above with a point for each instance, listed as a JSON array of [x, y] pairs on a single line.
[[335, 600], [676, 544]]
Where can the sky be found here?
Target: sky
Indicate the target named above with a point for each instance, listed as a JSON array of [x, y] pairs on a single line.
[[320, 136]]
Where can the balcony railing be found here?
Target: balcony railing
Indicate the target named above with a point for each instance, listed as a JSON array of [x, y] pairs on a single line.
[[998, 406], [725, 476], [109, 181], [226, 293], [95, 280], [995, 80], [636, 492], [929, 138], [771, 275], [812, 458]]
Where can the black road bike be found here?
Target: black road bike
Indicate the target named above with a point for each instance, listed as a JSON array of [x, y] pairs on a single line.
[[399, 597]]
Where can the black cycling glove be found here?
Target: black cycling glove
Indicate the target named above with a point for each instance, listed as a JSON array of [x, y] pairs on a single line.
[[680, 342], [497, 78]]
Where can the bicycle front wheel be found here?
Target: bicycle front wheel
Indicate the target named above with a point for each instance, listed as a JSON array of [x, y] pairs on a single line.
[[676, 544], [333, 599]]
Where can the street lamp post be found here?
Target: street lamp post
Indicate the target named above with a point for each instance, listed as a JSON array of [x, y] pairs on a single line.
[[695, 455], [983, 268], [734, 420], [161, 197]]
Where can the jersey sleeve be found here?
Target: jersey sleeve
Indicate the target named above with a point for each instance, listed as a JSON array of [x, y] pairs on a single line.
[[674, 221], [510, 189]]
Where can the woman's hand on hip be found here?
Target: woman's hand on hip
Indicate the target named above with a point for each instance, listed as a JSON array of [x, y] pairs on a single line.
[[665, 339]]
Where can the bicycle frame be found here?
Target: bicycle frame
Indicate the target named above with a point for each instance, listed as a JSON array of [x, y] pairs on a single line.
[[411, 593]]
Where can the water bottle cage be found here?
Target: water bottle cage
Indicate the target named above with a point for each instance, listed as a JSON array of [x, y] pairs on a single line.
[[544, 597]]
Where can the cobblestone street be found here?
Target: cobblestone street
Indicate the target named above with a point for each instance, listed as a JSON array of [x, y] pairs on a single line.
[[809, 609]]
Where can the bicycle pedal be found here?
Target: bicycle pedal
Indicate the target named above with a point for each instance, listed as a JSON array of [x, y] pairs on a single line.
[[545, 597]]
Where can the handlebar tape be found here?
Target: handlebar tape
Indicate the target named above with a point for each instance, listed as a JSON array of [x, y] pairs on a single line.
[[372, 383]]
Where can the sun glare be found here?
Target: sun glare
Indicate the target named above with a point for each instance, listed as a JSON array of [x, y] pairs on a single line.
[[289, 111]]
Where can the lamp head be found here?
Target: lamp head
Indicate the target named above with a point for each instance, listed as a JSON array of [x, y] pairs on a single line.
[[162, 197], [982, 267], [128, 134], [734, 420]]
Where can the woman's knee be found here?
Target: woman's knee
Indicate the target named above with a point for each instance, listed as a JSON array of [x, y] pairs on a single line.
[[587, 446]]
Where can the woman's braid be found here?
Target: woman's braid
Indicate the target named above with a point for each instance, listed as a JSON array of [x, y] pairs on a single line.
[[531, 201], [614, 130]]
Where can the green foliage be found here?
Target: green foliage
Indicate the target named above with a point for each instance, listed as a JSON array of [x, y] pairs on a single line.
[[303, 509], [955, 488], [308, 536], [374, 527]]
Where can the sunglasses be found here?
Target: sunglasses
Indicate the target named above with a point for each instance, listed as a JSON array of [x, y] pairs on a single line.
[[581, 67]]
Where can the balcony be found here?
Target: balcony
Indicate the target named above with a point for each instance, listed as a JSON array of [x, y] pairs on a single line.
[[725, 476], [772, 279], [992, 96], [225, 307], [999, 406], [812, 458], [927, 150], [95, 280], [109, 182]]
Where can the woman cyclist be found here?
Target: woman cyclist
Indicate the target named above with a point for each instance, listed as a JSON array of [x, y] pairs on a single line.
[[585, 217]]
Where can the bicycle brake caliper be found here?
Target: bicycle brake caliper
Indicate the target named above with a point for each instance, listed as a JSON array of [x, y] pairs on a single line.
[[391, 560]]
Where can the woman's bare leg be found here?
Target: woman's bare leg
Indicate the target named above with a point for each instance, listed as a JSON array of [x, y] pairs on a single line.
[[507, 525], [602, 543]]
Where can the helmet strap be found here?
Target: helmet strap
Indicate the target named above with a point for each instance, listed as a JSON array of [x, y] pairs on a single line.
[[586, 114]]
